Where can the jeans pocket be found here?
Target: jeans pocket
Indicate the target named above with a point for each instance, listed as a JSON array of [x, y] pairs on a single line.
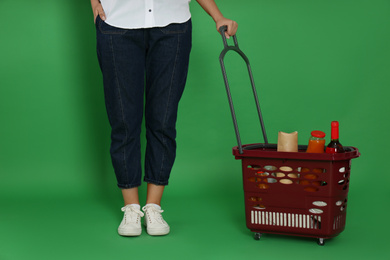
[[176, 28], [105, 28]]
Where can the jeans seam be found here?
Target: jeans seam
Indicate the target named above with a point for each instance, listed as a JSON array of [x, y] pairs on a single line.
[[121, 106], [168, 104]]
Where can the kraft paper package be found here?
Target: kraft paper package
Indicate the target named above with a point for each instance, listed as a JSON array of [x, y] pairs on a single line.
[[287, 142]]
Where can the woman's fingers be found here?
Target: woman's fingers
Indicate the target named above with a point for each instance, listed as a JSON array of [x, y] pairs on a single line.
[[231, 26], [99, 11]]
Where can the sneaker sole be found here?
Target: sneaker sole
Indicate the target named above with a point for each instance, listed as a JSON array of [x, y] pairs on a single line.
[[157, 232], [129, 234]]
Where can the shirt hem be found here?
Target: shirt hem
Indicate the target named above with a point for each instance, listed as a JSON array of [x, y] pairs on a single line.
[[156, 25]]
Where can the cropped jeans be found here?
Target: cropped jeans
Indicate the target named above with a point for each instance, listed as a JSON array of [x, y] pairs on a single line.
[[144, 71]]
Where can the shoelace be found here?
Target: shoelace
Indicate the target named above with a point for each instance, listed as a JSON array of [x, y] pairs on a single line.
[[154, 214], [131, 212]]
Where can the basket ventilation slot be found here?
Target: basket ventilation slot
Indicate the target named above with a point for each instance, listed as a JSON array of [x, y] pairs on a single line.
[[286, 219], [338, 222]]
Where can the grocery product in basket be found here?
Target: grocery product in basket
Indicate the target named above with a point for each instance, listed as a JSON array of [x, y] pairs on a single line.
[[316, 142], [334, 146], [287, 142]]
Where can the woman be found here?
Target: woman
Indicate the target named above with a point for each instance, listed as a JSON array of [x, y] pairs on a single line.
[[143, 49]]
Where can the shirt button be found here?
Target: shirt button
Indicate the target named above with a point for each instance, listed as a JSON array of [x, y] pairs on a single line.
[[150, 10]]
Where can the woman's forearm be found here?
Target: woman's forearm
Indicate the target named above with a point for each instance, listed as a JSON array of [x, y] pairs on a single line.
[[94, 3], [212, 9]]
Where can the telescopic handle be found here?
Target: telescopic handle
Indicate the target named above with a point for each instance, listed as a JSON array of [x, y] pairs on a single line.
[[235, 48]]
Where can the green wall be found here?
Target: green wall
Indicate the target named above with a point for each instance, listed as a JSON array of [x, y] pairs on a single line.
[[313, 62]]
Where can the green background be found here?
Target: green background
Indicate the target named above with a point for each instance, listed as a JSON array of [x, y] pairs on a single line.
[[313, 62]]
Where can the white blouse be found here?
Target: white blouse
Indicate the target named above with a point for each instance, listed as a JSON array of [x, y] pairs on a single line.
[[134, 14]]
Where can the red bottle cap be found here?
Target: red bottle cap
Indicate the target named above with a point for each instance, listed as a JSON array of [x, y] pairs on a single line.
[[335, 130], [318, 134]]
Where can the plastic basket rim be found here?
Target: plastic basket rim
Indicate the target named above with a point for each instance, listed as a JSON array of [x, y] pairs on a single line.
[[261, 150]]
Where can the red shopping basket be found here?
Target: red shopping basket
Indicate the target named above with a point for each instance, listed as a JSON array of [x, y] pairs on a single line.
[[290, 193]]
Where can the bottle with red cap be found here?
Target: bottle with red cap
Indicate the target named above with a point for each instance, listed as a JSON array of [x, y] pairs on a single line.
[[334, 146], [316, 142]]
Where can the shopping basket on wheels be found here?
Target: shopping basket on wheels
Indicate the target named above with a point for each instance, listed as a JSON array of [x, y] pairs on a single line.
[[290, 193]]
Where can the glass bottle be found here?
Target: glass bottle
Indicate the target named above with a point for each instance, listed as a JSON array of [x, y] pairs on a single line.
[[316, 142], [334, 146]]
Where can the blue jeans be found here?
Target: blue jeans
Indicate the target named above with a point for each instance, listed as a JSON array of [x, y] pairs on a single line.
[[143, 68]]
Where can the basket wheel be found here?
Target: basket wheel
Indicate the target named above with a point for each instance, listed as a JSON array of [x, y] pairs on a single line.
[[321, 241], [257, 236]]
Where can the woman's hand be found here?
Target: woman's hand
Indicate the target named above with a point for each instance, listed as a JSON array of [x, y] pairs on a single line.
[[212, 9], [97, 9], [231, 26]]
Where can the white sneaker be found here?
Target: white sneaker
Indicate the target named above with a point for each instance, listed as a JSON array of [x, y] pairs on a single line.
[[131, 222], [154, 222]]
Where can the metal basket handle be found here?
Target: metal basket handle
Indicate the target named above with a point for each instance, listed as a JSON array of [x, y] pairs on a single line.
[[235, 48]]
